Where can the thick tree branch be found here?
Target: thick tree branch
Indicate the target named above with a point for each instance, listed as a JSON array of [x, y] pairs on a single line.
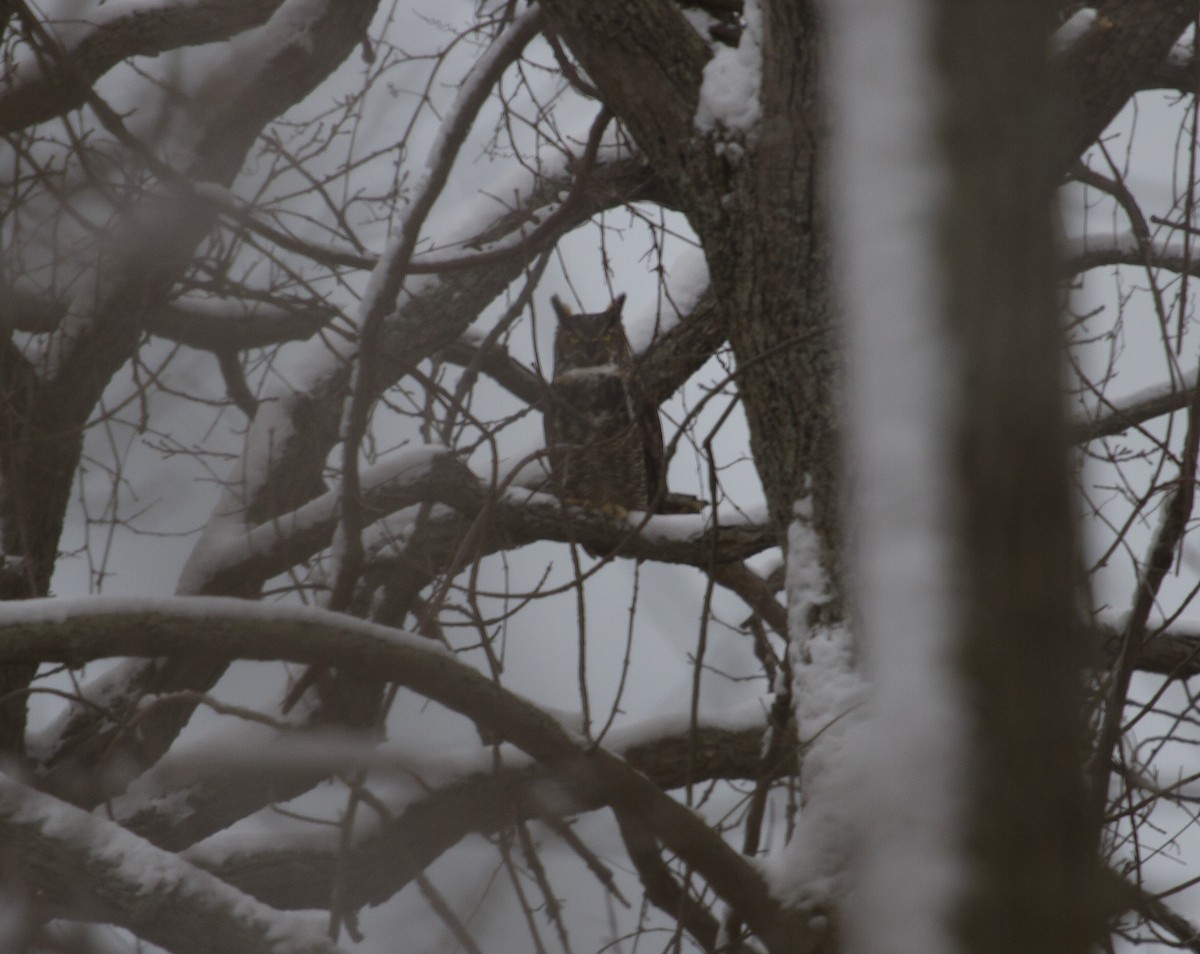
[[237, 324], [512, 519], [234, 629], [207, 323], [647, 61], [83, 867], [1108, 64], [386, 856], [1174, 653], [676, 355], [1082, 255], [434, 318], [1134, 411], [36, 90]]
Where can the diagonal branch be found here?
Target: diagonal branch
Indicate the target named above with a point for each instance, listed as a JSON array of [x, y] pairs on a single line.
[[647, 62], [289, 442], [78, 631], [387, 280], [83, 867], [1108, 64], [34, 91]]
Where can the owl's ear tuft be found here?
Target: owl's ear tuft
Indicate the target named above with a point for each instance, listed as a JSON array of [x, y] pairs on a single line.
[[561, 310], [613, 313]]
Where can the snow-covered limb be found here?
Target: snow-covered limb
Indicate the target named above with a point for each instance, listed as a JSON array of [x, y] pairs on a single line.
[[296, 872], [188, 798], [811, 871], [106, 35], [388, 278], [1108, 417], [215, 324], [206, 322], [1081, 254], [515, 518], [399, 480], [85, 867], [76, 631]]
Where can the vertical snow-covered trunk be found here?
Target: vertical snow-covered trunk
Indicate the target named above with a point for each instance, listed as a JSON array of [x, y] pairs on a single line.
[[971, 829], [904, 382]]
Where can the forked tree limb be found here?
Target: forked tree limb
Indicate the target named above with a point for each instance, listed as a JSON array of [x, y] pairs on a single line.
[[234, 629]]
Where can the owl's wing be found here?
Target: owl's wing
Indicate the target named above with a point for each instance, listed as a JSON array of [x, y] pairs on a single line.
[[650, 428]]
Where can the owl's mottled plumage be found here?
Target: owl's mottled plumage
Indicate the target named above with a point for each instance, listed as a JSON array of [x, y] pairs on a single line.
[[604, 435]]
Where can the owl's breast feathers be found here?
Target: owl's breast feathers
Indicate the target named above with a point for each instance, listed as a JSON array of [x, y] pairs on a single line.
[[594, 397]]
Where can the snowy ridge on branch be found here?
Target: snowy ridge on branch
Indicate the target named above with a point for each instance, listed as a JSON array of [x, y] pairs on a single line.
[[395, 470], [812, 869], [729, 93], [1084, 252], [687, 281], [344, 752], [1072, 30], [319, 364], [153, 893]]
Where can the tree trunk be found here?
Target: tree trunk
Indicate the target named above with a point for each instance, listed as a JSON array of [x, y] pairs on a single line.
[[1028, 841]]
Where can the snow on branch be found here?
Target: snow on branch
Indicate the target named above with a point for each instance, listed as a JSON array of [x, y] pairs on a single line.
[[1084, 253], [223, 324], [387, 280], [460, 793], [514, 518], [385, 858], [1109, 417], [729, 92], [301, 401], [85, 867], [828, 693], [98, 42], [76, 631]]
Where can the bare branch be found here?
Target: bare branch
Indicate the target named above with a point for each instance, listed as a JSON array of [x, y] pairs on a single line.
[[1135, 410]]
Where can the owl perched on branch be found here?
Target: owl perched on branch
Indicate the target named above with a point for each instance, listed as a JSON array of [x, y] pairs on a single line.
[[604, 435]]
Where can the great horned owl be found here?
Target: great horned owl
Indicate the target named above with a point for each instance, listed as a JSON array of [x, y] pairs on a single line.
[[604, 435]]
